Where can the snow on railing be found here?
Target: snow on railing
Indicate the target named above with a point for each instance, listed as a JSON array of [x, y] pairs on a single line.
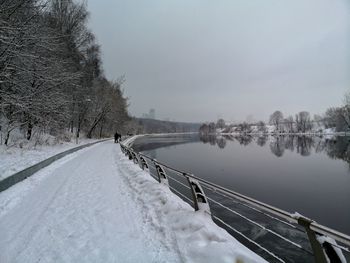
[[326, 251]]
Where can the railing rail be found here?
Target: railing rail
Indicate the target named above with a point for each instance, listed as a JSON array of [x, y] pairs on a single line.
[[312, 228]]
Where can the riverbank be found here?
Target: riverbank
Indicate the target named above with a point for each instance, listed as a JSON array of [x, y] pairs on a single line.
[[282, 133]]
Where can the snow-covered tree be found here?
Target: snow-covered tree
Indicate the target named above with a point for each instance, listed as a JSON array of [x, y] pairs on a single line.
[[51, 76]]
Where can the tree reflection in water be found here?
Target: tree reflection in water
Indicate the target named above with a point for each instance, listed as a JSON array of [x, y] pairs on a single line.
[[336, 147], [261, 141]]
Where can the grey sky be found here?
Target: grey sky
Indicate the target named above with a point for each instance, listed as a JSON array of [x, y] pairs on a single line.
[[196, 60]]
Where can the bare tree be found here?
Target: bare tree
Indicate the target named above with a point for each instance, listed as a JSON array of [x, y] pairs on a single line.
[[276, 119], [289, 124], [245, 127], [220, 124], [344, 113], [262, 127], [204, 128], [211, 126], [330, 117], [303, 121]]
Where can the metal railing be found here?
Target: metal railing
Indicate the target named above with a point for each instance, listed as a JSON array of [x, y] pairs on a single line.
[[319, 242]]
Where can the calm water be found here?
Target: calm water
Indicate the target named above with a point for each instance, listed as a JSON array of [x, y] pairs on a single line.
[[310, 175]]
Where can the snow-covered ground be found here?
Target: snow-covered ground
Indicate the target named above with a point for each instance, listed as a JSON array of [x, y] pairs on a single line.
[[14, 158], [97, 206]]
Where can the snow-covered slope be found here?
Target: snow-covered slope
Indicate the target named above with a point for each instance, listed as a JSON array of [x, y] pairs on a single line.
[[97, 206], [14, 159]]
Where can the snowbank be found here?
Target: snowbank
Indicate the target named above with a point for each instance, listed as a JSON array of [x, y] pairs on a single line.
[[198, 238], [16, 158]]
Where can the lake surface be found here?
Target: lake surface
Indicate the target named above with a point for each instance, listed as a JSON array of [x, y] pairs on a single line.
[[309, 175]]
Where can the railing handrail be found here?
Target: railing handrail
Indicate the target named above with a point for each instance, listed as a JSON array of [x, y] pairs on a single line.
[[293, 218]]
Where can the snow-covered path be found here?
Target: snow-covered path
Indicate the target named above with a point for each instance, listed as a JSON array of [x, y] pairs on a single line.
[[87, 208], [76, 214]]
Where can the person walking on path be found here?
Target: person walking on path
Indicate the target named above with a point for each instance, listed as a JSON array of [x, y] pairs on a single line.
[[117, 137]]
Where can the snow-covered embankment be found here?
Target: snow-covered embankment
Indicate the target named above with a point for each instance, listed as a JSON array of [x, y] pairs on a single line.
[[199, 239]]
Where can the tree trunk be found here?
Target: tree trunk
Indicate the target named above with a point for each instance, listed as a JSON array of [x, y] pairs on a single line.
[[89, 134], [101, 128], [78, 132], [7, 137], [29, 130]]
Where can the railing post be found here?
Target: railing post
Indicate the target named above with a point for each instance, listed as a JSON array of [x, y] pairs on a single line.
[[162, 177], [315, 245], [135, 157], [129, 154], [143, 164], [200, 201], [122, 148], [333, 254], [126, 151]]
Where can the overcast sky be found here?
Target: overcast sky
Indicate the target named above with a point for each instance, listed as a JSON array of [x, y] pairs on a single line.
[[197, 60]]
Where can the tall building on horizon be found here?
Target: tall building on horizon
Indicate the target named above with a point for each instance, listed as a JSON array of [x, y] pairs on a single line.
[[150, 115]]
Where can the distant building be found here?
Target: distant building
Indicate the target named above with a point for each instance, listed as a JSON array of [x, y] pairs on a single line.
[[150, 115]]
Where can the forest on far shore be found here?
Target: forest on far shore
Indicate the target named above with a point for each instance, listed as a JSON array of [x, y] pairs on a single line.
[[335, 119]]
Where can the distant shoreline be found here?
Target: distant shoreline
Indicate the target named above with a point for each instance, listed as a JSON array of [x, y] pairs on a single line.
[[282, 133]]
